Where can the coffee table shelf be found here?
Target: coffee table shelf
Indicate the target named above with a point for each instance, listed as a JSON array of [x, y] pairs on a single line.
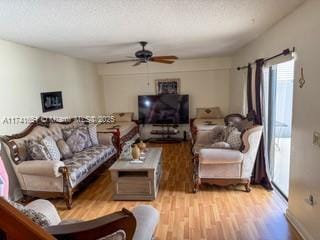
[[137, 181]]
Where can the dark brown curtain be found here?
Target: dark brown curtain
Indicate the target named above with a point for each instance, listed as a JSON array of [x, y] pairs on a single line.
[[260, 173]]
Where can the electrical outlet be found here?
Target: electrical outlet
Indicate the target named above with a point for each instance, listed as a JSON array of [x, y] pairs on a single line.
[[316, 138]]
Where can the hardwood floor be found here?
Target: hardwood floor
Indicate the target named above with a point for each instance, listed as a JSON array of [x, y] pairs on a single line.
[[212, 213]]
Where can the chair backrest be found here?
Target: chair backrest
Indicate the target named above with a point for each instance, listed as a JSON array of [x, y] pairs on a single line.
[[121, 223], [251, 141]]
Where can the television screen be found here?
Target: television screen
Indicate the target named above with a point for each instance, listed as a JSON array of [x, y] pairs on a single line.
[[164, 109]]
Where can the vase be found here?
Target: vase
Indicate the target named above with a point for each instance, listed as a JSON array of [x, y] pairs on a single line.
[[135, 152], [142, 145]]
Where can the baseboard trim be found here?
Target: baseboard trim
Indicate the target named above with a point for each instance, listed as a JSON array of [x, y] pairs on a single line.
[[299, 228]]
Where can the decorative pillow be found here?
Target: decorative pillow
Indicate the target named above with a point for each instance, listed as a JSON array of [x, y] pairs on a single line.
[[243, 125], [76, 141], [223, 145], [93, 134], [52, 148], [217, 134], [213, 112], [86, 136], [23, 152], [36, 217], [64, 149], [234, 139], [36, 150], [123, 117]]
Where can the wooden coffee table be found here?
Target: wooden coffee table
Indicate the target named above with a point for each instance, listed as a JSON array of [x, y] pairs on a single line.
[[137, 181]]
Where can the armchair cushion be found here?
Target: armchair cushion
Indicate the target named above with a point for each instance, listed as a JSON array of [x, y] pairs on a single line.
[[220, 156], [49, 168], [221, 145]]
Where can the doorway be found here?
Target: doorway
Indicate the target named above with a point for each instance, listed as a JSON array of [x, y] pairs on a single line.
[[281, 79]]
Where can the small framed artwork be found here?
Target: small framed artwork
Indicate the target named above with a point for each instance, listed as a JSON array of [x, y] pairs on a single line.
[[167, 86], [51, 101]]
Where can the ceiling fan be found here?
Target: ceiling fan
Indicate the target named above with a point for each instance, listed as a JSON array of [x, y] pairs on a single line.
[[144, 56]]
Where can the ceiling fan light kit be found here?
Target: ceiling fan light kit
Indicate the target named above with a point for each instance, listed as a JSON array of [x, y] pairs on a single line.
[[144, 56]]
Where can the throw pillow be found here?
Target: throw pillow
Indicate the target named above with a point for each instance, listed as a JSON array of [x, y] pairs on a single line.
[[85, 135], [212, 112], [23, 152], [123, 117], [243, 125], [36, 217], [52, 148], [75, 140], [234, 139], [93, 134], [217, 134], [222, 145], [37, 151], [64, 149]]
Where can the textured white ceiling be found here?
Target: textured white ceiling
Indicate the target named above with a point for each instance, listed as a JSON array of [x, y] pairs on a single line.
[[101, 30]]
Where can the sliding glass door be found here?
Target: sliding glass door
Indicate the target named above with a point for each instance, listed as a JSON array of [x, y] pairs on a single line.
[[280, 97]]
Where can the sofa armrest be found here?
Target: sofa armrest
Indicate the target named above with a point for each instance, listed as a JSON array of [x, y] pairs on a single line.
[[49, 168], [220, 156], [147, 218], [110, 138], [105, 138], [203, 137]]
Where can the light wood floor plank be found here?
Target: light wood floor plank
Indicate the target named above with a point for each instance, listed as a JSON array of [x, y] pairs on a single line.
[[212, 213]]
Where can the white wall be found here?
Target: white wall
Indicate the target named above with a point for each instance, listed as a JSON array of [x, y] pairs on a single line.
[[25, 72], [205, 80], [302, 30]]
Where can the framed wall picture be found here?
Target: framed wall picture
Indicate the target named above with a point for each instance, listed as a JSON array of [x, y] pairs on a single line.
[[167, 86], [51, 101]]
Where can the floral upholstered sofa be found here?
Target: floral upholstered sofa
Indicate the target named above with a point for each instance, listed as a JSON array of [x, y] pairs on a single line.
[[52, 159]]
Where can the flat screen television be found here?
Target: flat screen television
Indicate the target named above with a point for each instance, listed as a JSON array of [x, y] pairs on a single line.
[[164, 109]]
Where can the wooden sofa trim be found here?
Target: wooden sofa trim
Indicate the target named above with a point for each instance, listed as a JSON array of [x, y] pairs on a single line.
[[43, 122], [97, 228], [67, 189]]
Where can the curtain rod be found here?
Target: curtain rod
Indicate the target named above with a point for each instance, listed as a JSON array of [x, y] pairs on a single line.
[[283, 53]]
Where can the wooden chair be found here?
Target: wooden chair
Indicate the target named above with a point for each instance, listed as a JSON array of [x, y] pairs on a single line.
[[15, 225]]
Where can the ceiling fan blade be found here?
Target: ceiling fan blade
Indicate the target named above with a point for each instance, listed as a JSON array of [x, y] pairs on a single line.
[[136, 64], [161, 61], [164, 57], [122, 61]]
